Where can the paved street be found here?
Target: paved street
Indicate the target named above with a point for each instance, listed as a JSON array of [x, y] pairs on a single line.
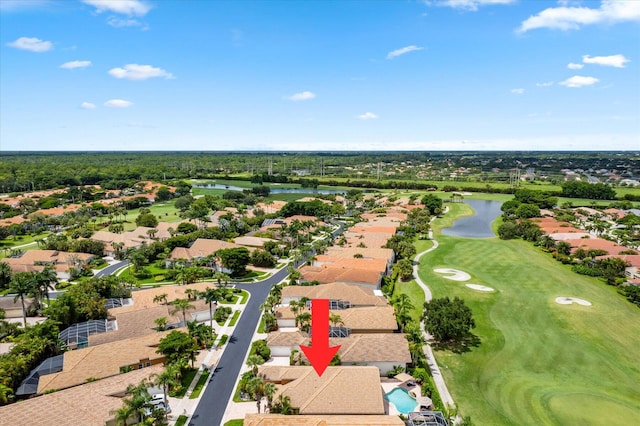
[[214, 401], [111, 269]]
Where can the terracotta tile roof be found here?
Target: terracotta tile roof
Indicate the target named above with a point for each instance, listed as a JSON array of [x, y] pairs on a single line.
[[202, 247], [615, 213], [251, 241], [383, 347], [87, 405], [12, 220], [596, 244], [338, 273], [363, 319], [334, 392], [278, 338], [631, 259], [367, 253], [358, 296], [282, 420], [102, 361], [61, 261]]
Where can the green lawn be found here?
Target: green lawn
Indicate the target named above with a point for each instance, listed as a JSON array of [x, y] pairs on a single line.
[[154, 270], [187, 378], [198, 387], [538, 362], [166, 212], [182, 420], [234, 318], [234, 422]]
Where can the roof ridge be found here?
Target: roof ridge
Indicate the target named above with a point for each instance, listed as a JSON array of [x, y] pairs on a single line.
[[336, 373]]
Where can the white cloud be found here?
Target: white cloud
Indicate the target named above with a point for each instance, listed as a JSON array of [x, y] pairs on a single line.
[[574, 66], [124, 22], [118, 103], [572, 18], [403, 51], [579, 81], [32, 44], [302, 96], [367, 116], [87, 105], [545, 84], [139, 72], [471, 5], [518, 91], [75, 64], [617, 61], [124, 7]]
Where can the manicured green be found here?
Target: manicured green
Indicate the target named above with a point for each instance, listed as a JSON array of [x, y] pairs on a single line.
[[187, 378], [538, 362], [198, 387], [20, 240], [413, 290], [223, 340], [154, 270], [244, 296], [234, 422], [166, 212], [262, 325], [182, 420], [234, 318]]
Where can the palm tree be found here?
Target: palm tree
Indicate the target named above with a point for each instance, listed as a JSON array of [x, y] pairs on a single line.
[[135, 406], [282, 405], [403, 306], [160, 298], [182, 305], [169, 378], [210, 296], [47, 279], [5, 274], [304, 321], [254, 361], [22, 284], [192, 293], [269, 390], [255, 387], [335, 319], [161, 322]]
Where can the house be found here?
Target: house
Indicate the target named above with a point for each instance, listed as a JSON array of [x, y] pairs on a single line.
[[13, 309], [355, 296], [36, 260], [333, 393], [201, 248], [329, 273], [96, 362], [596, 244], [368, 319], [253, 242], [383, 350], [362, 253], [633, 260], [89, 404], [316, 420]]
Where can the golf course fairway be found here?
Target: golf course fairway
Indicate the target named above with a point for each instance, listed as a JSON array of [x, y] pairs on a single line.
[[538, 362]]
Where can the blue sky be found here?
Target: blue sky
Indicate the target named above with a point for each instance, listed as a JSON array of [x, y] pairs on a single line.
[[319, 75]]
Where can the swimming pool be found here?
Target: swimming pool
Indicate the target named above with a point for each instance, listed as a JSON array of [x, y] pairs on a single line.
[[404, 402]]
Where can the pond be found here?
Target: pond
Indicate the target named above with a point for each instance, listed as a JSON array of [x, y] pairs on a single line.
[[478, 225], [273, 190]]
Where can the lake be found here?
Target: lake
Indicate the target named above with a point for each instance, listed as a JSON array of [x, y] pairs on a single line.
[[274, 190], [478, 225]]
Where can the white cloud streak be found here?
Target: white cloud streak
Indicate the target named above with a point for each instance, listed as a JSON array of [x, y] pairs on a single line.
[[545, 84], [617, 61], [118, 103], [579, 81], [302, 96], [470, 5], [403, 51], [574, 66], [123, 7], [518, 91], [122, 23], [573, 18], [139, 72], [367, 116], [87, 105], [75, 64], [31, 44]]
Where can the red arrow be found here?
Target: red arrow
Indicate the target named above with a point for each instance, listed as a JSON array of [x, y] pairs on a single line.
[[319, 353]]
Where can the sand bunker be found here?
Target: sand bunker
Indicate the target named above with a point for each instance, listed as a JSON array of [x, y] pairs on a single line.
[[479, 287], [569, 300], [454, 274]]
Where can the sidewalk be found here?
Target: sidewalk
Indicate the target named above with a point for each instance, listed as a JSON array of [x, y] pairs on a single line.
[[207, 359]]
